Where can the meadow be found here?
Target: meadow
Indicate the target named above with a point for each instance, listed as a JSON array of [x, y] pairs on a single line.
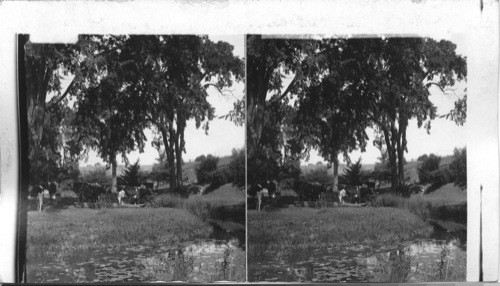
[[448, 202], [226, 202], [74, 234], [113, 244], [291, 231]]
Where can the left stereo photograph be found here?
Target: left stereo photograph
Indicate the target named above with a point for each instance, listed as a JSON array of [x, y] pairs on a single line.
[[133, 159]]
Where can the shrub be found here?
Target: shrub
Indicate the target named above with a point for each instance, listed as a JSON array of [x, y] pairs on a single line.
[[352, 174], [180, 191], [130, 176], [98, 175], [428, 171], [317, 175], [204, 170], [458, 167], [236, 170]]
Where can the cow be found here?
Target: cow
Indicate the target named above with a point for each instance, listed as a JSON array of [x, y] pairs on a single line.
[[88, 192], [357, 194], [52, 190], [308, 191], [37, 192]]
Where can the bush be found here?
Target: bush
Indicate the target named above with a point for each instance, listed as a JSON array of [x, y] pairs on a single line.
[[130, 176], [236, 170], [98, 175], [204, 170], [458, 167], [317, 175], [428, 171], [180, 191], [352, 174]]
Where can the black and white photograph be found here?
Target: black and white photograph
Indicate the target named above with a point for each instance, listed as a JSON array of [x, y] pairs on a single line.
[[136, 159], [249, 142], [357, 159]]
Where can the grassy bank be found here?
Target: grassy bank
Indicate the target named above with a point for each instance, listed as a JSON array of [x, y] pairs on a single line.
[[300, 230], [227, 202], [74, 234], [448, 202]]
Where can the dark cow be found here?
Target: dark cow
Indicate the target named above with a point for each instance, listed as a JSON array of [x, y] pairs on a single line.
[[308, 191], [52, 187], [136, 195], [88, 192], [357, 194]]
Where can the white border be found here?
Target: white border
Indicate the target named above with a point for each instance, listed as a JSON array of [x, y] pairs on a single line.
[[56, 20]]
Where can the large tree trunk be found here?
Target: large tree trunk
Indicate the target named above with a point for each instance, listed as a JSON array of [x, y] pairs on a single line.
[[401, 149], [391, 151], [113, 173], [169, 152], [335, 161], [179, 148], [258, 76], [171, 158]]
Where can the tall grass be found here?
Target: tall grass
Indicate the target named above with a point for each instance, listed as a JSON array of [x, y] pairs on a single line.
[[448, 202], [415, 204], [223, 203], [288, 233], [74, 234]]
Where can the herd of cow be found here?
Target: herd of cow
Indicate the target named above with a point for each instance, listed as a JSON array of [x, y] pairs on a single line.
[[307, 191], [91, 192]]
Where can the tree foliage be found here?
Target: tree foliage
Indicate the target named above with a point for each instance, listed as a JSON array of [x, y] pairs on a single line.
[[348, 84], [131, 175], [458, 166], [428, 171], [97, 175], [353, 174], [204, 169]]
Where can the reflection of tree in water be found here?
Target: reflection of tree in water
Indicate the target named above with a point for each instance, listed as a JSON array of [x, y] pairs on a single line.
[[399, 266], [182, 266]]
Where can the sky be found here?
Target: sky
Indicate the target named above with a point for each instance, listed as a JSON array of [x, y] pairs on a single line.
[[444, 135], [223, 135]]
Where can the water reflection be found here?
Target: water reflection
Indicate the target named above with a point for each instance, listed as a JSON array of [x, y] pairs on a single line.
[[423, 260], [197, 261]]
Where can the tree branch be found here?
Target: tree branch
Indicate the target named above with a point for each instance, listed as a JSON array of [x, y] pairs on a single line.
[[287, 90]]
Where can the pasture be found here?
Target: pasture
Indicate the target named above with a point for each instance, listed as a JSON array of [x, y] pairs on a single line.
[[363, 244], [349, 245], [292, 231], [175, 241]]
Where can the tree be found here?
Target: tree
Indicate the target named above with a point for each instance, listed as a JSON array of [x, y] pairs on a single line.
[[130, 175], [352, 174], [428, 169], [236, 168], [159, 173], [458, 166], [96, 175], [270, 62], [405, 70], [175, 74], [205, 168], [382, 168]]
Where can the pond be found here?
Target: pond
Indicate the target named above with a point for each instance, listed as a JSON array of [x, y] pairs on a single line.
[[442, 257], [219, 258]]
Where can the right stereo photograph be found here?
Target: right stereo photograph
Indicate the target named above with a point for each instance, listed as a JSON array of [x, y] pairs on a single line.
[[356, 158]]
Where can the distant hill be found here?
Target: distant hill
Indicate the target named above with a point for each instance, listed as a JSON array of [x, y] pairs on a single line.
[[411, 168], [188, 168]]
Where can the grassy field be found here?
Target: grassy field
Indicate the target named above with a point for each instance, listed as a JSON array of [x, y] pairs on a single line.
[[295, 230], [447, 202], [227, 202], [75, 233]]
